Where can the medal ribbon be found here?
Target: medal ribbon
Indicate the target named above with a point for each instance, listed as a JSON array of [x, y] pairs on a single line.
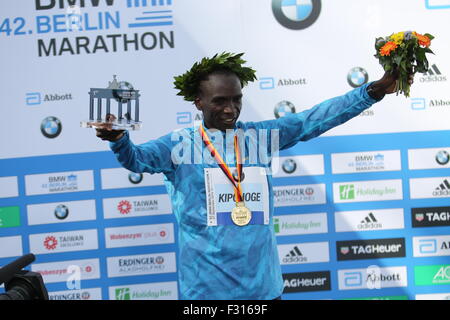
[[226, 170]]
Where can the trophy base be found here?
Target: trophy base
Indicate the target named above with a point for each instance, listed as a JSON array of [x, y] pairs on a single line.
[[116, 125]]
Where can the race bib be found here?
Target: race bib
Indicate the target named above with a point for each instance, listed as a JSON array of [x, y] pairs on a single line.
[[220, 195]]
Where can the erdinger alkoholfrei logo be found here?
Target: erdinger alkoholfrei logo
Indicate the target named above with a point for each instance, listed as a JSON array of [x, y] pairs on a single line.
[[51, 127], [357, 76], [289, 166], [296, 14], [442, 157], [135, 178], [283, 108], [61, 212]]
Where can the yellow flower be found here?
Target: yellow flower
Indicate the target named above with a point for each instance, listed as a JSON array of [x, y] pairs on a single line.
[[398, 37]]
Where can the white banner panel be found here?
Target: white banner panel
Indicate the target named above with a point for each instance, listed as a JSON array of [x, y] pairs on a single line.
[[296, 224], [141, 264], [421, 188], [8, 187], [299, 253], [122, 178], [11, 247], [84, 294], [376, 190], [373, 161], [310, 165], [64, 241], [58, 182], [299, 195], [61, 212], [139, 235], [369, 220], [140, 206], [429, 158], [148, 291], [67, 271]]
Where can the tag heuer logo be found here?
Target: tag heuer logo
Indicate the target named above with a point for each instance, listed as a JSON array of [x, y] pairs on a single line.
[[345, 250], [419, 217]]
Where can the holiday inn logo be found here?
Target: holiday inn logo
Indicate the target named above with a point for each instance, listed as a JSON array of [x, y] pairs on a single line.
[[296, 224], [347, 192], [123, 294], [377, 190]]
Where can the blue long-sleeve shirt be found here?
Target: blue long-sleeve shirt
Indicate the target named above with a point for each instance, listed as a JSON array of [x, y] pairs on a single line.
[[219, 260]]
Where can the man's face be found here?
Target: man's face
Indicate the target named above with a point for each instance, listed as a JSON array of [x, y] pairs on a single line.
[[220, 101]]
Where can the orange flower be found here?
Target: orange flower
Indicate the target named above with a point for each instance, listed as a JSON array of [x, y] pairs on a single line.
[[423, 40], [388, 48]]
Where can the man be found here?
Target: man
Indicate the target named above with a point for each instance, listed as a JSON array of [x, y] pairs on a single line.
[[224, 210]]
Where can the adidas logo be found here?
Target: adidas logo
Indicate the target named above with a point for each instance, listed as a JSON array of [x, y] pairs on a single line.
[[443, 190], [369, 222], [433, 75], [294, 256], [433, 71], [369, 218]]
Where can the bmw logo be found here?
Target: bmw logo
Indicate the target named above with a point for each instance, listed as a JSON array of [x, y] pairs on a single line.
[[135, 178], [289, 166], [283, 108], [51, 127], [442, 157], [357, 76], [235, 175], [296, 14], [61, 212]]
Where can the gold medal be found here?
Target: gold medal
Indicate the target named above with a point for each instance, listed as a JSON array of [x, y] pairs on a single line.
[[241, 215]]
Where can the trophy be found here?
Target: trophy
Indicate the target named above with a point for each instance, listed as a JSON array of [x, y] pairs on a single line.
[[122, 92]]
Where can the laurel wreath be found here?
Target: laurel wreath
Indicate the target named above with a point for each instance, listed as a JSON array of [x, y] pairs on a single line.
[[189, 82]]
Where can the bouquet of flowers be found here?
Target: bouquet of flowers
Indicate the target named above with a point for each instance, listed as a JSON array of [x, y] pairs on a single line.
[[404, 52]]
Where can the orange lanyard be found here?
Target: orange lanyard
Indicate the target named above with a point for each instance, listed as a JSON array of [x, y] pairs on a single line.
[[226, 170]]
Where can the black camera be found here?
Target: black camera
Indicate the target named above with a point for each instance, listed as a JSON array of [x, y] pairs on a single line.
[[22, 284]]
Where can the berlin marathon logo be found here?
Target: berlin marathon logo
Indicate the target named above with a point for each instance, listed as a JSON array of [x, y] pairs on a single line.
[[76, 27]]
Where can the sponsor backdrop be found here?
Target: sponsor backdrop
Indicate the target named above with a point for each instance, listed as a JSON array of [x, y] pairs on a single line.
[[361, 212]]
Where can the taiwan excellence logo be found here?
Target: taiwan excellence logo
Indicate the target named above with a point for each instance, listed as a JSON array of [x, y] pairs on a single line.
[[51, 127], [357, 77], [296, 14], [124, 207], [50, 243]]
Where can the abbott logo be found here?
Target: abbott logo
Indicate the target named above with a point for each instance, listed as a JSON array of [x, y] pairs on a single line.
[[296, 14], [33, 99], [427, 246], [353, 279], [267, 83], [418, 104]]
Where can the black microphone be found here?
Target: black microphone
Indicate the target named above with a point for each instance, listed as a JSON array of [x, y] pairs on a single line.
[[8, 271]]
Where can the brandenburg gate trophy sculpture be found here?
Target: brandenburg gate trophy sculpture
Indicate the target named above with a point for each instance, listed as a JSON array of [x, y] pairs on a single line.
[[120, 118]]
